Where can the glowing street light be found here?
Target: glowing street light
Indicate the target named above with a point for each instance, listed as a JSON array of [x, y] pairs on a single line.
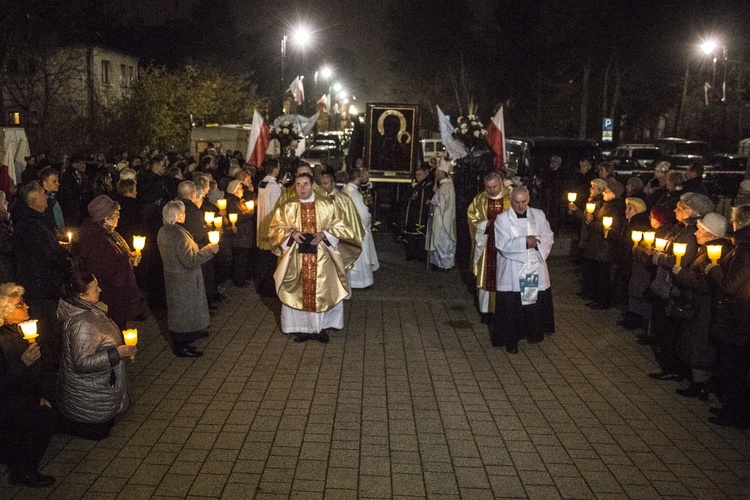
[[301, 36], [337, 87], [708, 47], [326, 72]]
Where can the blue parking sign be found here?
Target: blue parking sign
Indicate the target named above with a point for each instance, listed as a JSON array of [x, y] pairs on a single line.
[[608, 127]]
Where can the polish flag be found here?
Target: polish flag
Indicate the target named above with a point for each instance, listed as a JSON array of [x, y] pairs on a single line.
[[257, 143], [496, 138], [297, 90]]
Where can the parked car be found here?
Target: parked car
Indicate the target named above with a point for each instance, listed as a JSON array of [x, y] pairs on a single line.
[[528, 156], [432, 148], [321, 155], [634, 156], [723, 173], [670, 146]]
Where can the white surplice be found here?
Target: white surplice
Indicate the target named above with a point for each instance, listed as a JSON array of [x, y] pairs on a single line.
[[361, 275], [441, 228]]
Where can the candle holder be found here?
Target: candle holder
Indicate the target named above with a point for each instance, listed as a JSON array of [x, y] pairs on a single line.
[[714, 253], [648, 238], [636, 236], [250, 204], [70, 237], [679, 250], [29, 330], [139, 243], [218, 221], [221, 203], [572, 197], [660, 244], [208, 217], [233, 218], [131, 338], [213, 237], [590, 207], [607, 223]]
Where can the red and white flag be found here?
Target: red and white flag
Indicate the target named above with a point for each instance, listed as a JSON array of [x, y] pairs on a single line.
[[496, 138], [325, 100], [257, 143], [297, 90]]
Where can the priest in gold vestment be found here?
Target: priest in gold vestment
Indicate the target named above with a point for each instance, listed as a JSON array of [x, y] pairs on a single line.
[[494, 200], [316, 247]]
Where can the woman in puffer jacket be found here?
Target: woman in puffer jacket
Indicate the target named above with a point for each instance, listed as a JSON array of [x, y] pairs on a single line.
[[92, 387]]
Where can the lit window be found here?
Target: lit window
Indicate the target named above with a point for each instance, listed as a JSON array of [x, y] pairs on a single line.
[[14, 118], [124, 75]]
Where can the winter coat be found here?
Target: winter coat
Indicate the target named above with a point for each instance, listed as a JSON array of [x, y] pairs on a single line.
[[732, 298], [22, 386], [92, 386], [598, 247], [100, 255], [131, 219], [7, 261], [695, 291], [187, 307], [643, 270], [685, 234], [244, 237], [43, 265]]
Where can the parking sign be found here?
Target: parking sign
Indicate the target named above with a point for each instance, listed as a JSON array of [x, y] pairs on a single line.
[[608, 126]]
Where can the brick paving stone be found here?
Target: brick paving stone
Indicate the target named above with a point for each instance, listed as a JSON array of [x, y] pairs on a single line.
[[410, 400]]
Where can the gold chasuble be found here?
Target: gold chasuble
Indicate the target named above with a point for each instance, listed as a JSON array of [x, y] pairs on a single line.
[[485, 209], [313, 282], [349, 215]]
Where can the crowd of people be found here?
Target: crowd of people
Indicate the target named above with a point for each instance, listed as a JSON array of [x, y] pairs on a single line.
[[677, 270]]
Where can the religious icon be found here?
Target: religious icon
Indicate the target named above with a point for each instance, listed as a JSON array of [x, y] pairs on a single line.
[[391, 138]]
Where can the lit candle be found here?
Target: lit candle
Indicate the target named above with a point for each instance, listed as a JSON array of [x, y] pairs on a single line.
[[70, 237], [572, 197], [714, 253], [648, 238], [28, 328], [250, 204], [131, 338], [221, 203], [661, 244], [679, 250], [607, 223], [637, 236], [590, 207], [218, 221], [233, 218], [213, 237], [139, 243], [208, 217]]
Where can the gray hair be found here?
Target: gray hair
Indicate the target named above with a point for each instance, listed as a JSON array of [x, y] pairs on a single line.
[[8, 291], [172, 210], [202, 181], [519, 190], [186, 189], [741, 215], [496, 175], [127, 173]]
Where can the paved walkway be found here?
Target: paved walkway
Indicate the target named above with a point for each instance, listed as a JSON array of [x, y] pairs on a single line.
[[410, 400]]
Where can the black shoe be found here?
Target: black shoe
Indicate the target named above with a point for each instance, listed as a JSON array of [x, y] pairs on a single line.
[[600, 306], [31, 480], [666, 376], [725, 421], [535, 341], [187, 352], [511, 349], [202, 334], [715, 410], [323, 337], [694, 390], [302, 337]]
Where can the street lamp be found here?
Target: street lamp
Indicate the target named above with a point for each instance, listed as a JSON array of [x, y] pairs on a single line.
[[301, 36], [709, 47]]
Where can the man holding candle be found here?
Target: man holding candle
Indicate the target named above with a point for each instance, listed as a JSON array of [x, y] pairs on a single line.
[[27, 385], [482, 212], [316, 249], [523, 307]]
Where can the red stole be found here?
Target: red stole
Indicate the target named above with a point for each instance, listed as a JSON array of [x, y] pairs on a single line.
[[494, 208], [309, 260]]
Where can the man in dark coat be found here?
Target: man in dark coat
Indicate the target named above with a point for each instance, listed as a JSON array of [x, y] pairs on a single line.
[[74, 191], [415, 215], [50, 181], [43, 264]]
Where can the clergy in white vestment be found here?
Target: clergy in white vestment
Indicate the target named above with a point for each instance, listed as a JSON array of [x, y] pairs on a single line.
[[441, 226], [523, 304], [269, 192], [361, 275], [316, 249]]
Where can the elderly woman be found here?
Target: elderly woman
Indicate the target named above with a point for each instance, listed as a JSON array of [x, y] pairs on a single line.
[[104, 253], [27, 382], [92, 388], [596, 188], [673, 182], [731, 324], [187, 307], [637, 219], [243, 238], [697, 352]]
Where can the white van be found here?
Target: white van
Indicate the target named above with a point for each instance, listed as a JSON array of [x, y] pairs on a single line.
[[432, 148], [14, 148]]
